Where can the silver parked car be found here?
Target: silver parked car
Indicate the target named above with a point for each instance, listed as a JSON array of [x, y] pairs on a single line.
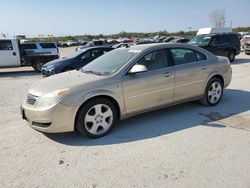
[[122, 83]]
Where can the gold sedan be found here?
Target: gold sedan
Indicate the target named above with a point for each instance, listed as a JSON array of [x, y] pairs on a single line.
[[122, 83]]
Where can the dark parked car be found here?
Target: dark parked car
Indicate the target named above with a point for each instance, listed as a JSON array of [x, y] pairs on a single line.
[[169, 39], [224, 44], [180, 40], [74, 61], [94, 43], [123, 45]]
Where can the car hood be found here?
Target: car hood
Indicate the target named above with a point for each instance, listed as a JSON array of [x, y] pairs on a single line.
[[56, 62], [62, 81]]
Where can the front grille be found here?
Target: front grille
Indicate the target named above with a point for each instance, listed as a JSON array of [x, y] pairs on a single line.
[[31, 99]]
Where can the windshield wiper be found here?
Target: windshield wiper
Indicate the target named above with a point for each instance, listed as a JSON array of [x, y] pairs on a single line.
[[92, 72]]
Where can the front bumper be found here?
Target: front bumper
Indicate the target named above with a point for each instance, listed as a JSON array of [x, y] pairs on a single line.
[[46, 73], [58, 118]]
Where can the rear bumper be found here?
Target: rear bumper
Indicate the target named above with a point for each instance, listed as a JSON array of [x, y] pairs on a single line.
[[58, 118], [228, 77], [247, 49]]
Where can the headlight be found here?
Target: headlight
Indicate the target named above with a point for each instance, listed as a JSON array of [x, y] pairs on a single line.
[[50, 67], [51, 98]]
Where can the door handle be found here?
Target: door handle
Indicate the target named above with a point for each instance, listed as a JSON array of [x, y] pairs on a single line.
[[167, 74], [14, 53], [203, 67]]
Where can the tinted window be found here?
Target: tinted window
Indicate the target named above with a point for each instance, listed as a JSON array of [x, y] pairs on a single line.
[[98, 43], [28, 46], [215, 40], [234, 39], [97, 53], [200, 40], [91, 54], [76, 54], [48, 45], [106, 50], [154, 60], [6, 45], [223, 39], [183, 56]]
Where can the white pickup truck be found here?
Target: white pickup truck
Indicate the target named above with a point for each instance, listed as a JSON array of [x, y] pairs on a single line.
[[14, 54]]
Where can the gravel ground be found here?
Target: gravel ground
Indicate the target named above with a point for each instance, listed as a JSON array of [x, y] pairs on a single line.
[[188, 145]]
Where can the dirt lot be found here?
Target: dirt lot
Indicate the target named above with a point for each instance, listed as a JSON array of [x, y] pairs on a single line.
[[188, 145]]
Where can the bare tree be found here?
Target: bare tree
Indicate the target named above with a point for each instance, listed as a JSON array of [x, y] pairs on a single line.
[[217, 18]]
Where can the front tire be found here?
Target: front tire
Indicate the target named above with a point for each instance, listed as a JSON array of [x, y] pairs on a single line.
[[38, 65], [213, 93], [96, 118]]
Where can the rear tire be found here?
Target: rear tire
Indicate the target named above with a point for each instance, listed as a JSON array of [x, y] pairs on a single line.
[[231, 56], [96, 118], [213, 93]]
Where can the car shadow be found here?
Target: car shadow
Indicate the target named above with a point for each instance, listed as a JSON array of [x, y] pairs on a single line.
[[16, 74], [241, 60], [164, 121]]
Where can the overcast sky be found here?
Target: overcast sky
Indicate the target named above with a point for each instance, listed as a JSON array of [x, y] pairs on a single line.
[[77, 17]]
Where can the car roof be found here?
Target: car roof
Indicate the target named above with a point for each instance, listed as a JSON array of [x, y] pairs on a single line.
[[95, 47], [217, 34], [159, 45]]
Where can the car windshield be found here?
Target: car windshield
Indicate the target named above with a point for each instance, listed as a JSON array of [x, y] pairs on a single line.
[[111, 62], [200, 40], [89, 44], [75, 54], [116, 45]]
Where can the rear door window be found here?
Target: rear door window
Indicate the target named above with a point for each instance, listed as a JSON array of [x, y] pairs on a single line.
[[184, 56], [6, 45], [223, 39], [48, 45], [234, 39], [29, 46]]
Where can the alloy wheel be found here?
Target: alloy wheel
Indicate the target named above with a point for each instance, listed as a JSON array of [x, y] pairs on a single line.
[[98, 119], [214, 92]]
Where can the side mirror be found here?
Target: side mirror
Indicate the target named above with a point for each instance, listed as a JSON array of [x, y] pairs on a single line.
[[137, 69]]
